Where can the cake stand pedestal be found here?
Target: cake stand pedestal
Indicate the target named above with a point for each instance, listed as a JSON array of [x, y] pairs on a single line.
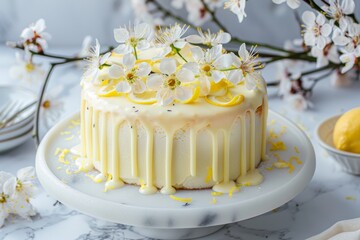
[[159, 216]]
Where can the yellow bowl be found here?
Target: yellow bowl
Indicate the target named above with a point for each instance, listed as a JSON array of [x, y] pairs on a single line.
[[349, 162]]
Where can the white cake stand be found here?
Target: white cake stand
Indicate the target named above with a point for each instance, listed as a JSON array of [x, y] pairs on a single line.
[[159, 216]]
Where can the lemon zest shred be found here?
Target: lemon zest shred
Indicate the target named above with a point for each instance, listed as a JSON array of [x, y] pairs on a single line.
[[70, 138], [184, 200], [65, 133], [68, 171], [214, 200], [296, 159], [57, 151], [278, 146], [74, 122], [232, 190], [350, 198], [296, 150], [216, 193]]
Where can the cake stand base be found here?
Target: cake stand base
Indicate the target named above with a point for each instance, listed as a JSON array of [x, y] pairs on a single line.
[[159, 216], [181, 233]]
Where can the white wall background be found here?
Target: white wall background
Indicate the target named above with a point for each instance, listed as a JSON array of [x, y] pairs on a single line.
[[69, 21]]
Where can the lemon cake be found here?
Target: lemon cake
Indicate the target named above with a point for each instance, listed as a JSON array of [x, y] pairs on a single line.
[[166, 114]]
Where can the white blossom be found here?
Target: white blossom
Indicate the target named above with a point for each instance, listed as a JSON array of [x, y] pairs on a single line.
[[286, 73], [209, 39], [208, 65], [95, 62], [34, 37], [350, 58], [348, 35], [52, 106], [293, 4], [298, 101], [132, 38], [339, 79], [171, 37], [237, 7], [245, 66], [169, 83], [142, 12], [26, 70], [131, 75], [337, 9], [197, 13], [317, 30], [323, 56]]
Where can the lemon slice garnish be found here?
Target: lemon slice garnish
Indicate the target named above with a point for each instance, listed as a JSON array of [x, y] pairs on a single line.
[[194, 97], [109, 90], [143, 98], [219, 89], [227, 100]]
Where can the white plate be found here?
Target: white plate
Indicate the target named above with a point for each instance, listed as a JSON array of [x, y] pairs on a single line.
[[10, 143], [21, 95], [23, 128], [158, 215]]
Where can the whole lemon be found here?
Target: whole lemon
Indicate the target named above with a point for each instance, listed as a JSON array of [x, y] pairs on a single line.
[[346, 135]]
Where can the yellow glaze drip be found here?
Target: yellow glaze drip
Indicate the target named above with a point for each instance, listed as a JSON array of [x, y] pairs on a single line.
[[134, 151]]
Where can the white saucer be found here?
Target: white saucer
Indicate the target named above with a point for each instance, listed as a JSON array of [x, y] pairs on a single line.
[[158, 215]]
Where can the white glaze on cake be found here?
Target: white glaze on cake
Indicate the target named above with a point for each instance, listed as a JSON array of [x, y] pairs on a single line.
[[173, 147]]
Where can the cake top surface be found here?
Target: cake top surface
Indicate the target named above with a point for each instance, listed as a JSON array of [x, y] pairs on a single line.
[[164, 67]]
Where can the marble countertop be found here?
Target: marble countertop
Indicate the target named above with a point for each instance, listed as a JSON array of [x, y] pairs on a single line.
[[330, 197]]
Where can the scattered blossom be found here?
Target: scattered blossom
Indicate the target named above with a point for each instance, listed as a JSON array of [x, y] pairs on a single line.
[[96, 62], [132, 38], [323, 56], [15, 194], [299, 101], [350, 59], [293, 4], [339, 79], [131, 75], [52, 106], [338, 9], [237, 7], [209, 39], [317, 31], [27, 71], [169, 83], [34, 37], [245, 66]]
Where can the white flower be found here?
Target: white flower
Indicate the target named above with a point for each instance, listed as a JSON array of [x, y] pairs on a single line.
[[208, 65], [317, 30], [323, 56], [135, 37], [52, 106], [131, 75], [171, 37], [25, 69], [95, 62], [293, 4], [208, 38], [5, 207], [142, 12], [169, 84], [213, 4], [298, 101], [338, 79], [350, 58], [85, 47], [34, 36], [237, 7], [286, 73], [339, 8], [245, 66], [348, 35], [198, 14]]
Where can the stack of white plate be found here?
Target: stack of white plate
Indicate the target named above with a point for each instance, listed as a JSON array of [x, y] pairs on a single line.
[[19, 129]]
